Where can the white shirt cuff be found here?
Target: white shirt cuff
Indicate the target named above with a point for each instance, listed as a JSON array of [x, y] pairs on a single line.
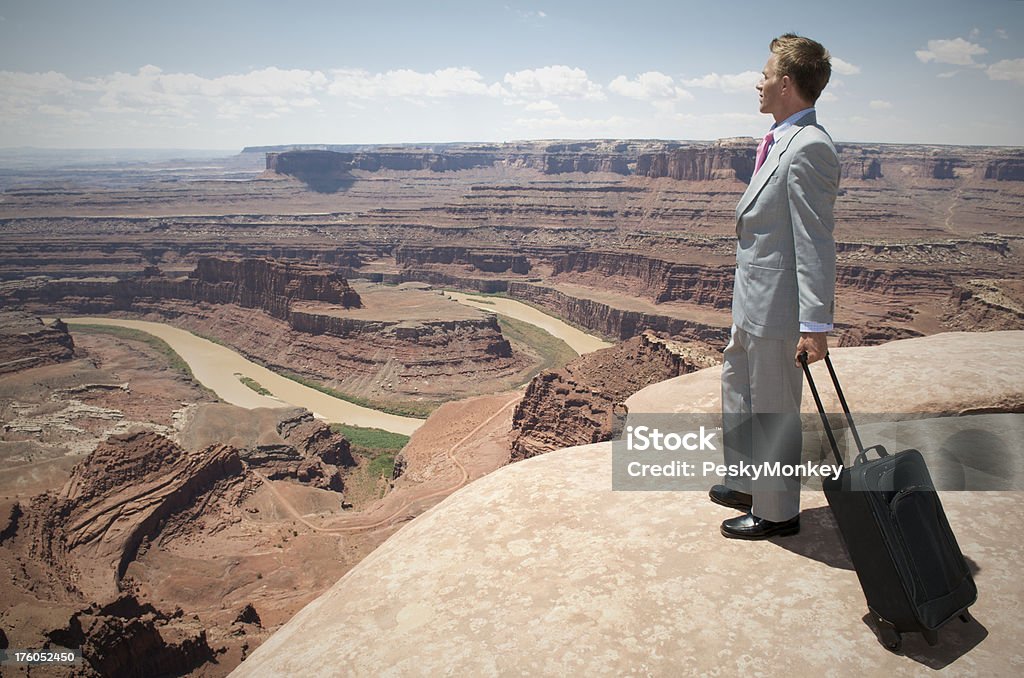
[[816, 327]]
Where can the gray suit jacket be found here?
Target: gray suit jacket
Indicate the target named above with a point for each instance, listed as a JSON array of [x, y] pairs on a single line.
[[786, 255]]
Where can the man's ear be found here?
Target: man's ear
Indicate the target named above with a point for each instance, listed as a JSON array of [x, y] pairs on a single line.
[[787, 85]]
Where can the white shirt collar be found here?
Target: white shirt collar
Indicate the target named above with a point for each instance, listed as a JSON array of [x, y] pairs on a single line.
[[781, 129]]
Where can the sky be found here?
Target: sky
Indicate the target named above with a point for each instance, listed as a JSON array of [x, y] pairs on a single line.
[[225, 74]]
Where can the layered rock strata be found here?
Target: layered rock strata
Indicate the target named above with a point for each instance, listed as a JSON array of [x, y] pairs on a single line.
[[489, 260], [123, 494], [583, 402], [288, 444], [611, 321], [76, 551], [25, 341], [700, 163], [992, 304], [308, 328], [731, 159], [649, 277], [270, 286]]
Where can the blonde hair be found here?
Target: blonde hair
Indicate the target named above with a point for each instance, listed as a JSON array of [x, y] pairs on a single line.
[[807, 63]]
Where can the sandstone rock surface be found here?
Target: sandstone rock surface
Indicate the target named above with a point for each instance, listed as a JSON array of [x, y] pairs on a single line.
[[944, 374], [540, 568]]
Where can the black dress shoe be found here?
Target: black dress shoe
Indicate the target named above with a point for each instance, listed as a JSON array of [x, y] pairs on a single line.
[[749, 526], [720, 494]]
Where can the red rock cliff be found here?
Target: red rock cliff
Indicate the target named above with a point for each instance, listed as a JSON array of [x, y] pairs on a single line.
[[26, 342], [582, 402], [270, 285], [700, 163]]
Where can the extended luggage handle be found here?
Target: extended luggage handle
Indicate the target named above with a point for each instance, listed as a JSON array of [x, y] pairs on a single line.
[[862, 454]]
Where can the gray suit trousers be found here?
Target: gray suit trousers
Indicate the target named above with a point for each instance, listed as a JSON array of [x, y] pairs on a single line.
[[761, 389]]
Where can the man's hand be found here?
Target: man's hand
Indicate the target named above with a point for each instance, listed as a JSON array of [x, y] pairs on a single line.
[[816, 345]]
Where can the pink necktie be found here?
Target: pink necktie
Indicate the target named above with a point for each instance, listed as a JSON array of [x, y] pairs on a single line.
[[762, 150]]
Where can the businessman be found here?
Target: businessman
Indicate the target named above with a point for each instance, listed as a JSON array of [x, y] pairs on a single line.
[[783, 294]]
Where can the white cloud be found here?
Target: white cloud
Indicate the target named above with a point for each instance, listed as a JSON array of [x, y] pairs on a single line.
[[651, 85], [958, 52], [844, 67], [33, 83], [266, 82], [828, 97], [529, 13], [879, 105], [975, 33], [1002, 34], [553, 81], [543, 106], [1007, 69], [153, 92], [446, 82], [155, 95], [738, 82]]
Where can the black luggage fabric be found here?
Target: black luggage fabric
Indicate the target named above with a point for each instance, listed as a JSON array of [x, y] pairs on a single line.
[[907, 559]]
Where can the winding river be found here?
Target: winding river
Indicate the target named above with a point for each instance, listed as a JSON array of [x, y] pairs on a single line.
[[578, 340], [217, 367]]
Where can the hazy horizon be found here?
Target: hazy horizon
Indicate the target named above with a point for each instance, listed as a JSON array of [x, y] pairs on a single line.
[[227, 152]]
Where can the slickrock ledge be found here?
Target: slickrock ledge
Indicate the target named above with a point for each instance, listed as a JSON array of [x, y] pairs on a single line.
[[943, 374], [541, 569]]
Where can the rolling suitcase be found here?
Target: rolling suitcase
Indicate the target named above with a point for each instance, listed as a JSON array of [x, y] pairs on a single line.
[[910, 567]]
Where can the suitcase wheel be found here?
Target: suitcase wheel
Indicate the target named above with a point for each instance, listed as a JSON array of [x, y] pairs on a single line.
[[892, 640]]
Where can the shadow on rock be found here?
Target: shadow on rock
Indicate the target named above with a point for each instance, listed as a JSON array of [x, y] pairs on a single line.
[[326, 183], [819, 539], [956, 639]]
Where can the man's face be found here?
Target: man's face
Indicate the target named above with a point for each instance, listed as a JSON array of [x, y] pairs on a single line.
[[770, 88]]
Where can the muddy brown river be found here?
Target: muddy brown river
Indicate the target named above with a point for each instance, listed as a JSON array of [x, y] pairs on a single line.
[[217, 367]]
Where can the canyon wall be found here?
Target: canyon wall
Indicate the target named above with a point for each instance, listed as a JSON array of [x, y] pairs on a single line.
[[729, 159], [481, 258], [700, 163], [649, 277], [309, 162], [559, 158], [79, 548], [992, 304], [1007, 169], [614, 322], [74, 546], [268, 285], [302, 329], [25, 341], [583, 402]]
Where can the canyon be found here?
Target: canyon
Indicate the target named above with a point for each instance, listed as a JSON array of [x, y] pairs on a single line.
[[312, 324], [195, 528]]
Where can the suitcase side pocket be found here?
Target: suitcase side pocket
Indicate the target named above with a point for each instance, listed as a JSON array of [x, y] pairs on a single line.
[[937, 567]]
